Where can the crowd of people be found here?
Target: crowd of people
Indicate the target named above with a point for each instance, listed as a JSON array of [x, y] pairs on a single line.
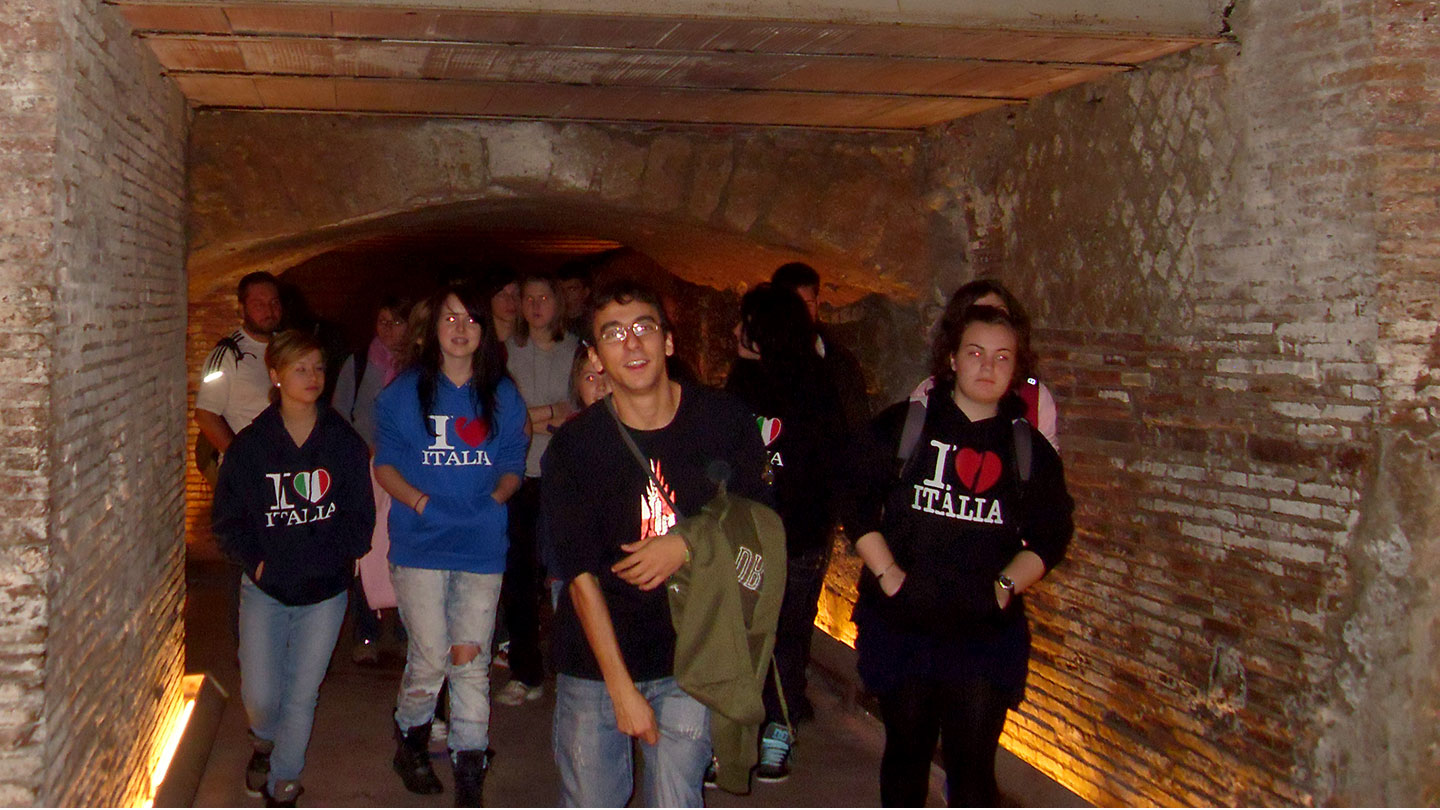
[[517, 446]]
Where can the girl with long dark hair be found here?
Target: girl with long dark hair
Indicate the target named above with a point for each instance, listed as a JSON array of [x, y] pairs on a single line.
[[450, 451], [976, 516], [787, 385]]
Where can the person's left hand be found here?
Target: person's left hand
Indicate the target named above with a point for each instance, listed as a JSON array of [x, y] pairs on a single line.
[[651, 561]]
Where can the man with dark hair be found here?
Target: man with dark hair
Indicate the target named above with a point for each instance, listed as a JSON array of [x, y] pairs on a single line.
[[234, 384], [608, 517], [844, 368], [574, 279]]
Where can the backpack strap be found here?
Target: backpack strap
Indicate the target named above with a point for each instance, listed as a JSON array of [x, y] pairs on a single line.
[[1024, 449], [639, 455], [910, 434]]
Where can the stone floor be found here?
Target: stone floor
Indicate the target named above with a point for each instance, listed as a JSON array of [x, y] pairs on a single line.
[[348, 763]]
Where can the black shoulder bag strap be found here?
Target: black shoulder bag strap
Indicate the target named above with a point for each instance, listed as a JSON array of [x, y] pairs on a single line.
[[639, 456]]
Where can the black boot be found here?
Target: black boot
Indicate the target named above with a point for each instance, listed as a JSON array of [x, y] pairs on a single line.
[[470, 769], [412, 760]]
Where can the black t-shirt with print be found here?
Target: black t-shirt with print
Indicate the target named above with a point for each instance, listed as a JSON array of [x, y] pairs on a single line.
[[803, 430], [597, 498]]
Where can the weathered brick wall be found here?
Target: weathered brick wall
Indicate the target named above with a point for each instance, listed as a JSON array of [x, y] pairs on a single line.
[[114, 652], [1229, 254], [29, 54]]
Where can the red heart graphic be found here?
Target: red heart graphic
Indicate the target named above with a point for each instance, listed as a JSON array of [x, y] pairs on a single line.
[[471, 431], [978, 471]]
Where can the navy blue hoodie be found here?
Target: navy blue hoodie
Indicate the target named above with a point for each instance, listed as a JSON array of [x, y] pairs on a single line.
[[307, 512]]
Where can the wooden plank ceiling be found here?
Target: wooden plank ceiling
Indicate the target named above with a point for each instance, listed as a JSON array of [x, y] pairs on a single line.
[[348, 58]]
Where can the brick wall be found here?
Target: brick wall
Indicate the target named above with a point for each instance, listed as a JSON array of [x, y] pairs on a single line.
[[1231, 256], [114, 653], [29, 54]]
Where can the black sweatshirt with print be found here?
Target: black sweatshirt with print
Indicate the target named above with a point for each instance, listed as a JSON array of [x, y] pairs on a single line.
[[307, 512], [954, 518]]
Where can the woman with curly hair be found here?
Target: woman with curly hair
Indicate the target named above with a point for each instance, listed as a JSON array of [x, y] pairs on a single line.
[[977, 514]]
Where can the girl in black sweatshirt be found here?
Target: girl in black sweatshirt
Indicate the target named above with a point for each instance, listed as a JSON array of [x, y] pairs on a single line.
[[949, 546], [294, 507]]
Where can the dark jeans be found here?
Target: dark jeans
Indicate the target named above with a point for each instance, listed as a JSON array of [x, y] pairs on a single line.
[[967, 716], [520, 591], [804, 577]]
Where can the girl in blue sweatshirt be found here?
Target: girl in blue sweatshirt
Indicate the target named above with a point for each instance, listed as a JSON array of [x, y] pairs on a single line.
[[450, 450], [293, 506]]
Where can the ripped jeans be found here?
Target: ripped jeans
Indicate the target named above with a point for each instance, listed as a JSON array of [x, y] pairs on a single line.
[[441, 609], [595, 759]]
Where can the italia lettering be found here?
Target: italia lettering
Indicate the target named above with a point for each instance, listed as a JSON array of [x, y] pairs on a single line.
[[454, 458], [299, 517], [776, 461], [941, 502]]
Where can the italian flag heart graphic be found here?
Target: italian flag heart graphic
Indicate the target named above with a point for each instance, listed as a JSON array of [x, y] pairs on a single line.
[[978, 471], [312, 486], [769, 429], [471, 431]]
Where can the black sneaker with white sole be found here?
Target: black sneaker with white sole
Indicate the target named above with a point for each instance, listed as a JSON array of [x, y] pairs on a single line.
[[775, 744]]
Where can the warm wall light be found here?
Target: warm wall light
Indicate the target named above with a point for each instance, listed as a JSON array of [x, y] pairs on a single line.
[[190, 689]]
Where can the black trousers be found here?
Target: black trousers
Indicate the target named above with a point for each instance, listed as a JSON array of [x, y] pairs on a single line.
[[804, 577], [520, 589], [966, 716]]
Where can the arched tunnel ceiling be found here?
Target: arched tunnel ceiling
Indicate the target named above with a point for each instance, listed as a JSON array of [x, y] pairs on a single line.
[[845, 64], [467, 236]]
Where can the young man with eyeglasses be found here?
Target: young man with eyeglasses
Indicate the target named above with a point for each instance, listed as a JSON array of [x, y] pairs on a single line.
[[614, 644]]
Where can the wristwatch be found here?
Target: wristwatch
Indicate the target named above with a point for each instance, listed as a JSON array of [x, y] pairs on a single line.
[[1007, 583]]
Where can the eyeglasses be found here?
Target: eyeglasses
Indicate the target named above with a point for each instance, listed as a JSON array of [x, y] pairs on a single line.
[[616, 333]]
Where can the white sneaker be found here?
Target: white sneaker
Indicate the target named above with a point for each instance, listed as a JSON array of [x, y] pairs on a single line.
[[514, 693]]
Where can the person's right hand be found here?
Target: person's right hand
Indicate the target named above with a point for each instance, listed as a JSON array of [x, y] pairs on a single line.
[[258, 569], [634, 716]]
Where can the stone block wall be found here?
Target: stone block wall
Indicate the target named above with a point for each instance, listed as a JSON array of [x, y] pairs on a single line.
[[1230, 256], [92, 314]]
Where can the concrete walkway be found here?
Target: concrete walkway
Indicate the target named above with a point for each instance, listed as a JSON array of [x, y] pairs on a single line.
[[348, 764]]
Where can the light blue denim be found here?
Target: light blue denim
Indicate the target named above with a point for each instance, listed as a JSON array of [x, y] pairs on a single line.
[[441, 609], [595, 757], [284, 652]]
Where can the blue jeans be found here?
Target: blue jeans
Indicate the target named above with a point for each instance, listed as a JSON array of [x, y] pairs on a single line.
[[442, 609], [284, 652], [594, 755]]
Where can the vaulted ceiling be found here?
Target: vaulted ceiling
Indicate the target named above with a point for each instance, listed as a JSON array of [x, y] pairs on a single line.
[[842, 64]]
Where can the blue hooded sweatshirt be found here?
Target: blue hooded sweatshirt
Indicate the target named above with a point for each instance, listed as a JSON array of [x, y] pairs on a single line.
[[451, 455]]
